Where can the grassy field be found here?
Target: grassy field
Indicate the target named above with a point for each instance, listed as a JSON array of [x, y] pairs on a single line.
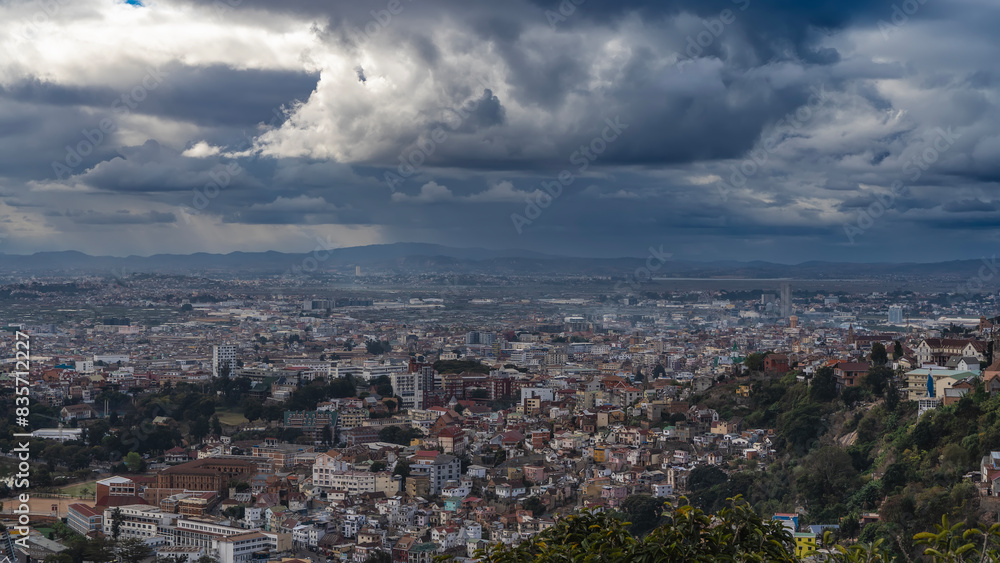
[[231, 417], [77, 488]]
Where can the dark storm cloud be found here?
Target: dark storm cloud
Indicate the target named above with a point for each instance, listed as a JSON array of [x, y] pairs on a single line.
[[33, 137], [539, 92], [969, 206], [676, 115], [203, 94], [37, 91], [153, 168], [42, 123], [199, 94]]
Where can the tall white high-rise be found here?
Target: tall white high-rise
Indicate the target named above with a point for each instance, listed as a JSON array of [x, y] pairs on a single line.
[[786, 300], [895, 315], [223, 355]]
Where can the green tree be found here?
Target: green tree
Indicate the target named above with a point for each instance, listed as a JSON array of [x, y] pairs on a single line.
[[252, 410], [851, 395], [382, 385], [374, 347], [705, 476], [199, 428], [216, 426], [535, 505], [402, 468], [897, 350], [755, 361], [98, 549], [643, 511], [133, 550], [877, 380], [116, 523], [823, 387], [688, 534], [827, 478], [343, 387], [878, 355], [133, 462]]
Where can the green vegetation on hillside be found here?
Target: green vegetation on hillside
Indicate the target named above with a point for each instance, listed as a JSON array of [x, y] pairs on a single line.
[[734, 534], [860, 450]]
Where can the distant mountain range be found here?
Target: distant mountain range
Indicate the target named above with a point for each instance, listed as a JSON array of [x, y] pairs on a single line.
[[421, 258]]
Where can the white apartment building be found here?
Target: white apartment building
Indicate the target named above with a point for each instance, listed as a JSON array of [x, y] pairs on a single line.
[[196, 533], [355, 482], [223, 355], [352, 523], [241, 548], [228, 544], [411, 387], [400, 514], [374, 369], [307, 535], [111, 358], [439, 470], [662, 490], [139, 521]]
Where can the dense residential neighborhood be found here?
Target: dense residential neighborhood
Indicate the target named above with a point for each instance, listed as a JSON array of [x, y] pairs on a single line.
[[270, 429]]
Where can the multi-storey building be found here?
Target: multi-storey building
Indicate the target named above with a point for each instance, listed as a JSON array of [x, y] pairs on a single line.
[[939, 350], [355, 482], [461, 384], [351, 417], [116, 487], [413, 386], [438, 468], [229, 544], [479, 337], [241, 548], [223, 359], [311, 423], [282, 455], [138, 521], [84, 519], [208, 474]]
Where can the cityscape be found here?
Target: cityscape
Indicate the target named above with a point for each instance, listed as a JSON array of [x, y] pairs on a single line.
[[397, 281], [265, 417]]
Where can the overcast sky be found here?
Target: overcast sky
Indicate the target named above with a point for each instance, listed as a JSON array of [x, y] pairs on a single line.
[[729, 129]]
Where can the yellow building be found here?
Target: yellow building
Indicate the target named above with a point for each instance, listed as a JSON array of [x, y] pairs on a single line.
[[599, 455], [805, 543], [352, 418]]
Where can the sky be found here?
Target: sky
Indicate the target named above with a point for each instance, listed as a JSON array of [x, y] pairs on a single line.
[[774, 130]]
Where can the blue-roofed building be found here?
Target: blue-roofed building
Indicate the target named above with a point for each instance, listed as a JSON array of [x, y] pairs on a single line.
[[788, 520]]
